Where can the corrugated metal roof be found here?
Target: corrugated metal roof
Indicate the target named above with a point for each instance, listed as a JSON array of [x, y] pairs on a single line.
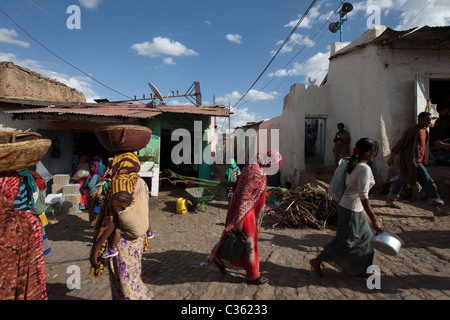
[[104, 111], [430, 38], [212, 110], [110, 108]]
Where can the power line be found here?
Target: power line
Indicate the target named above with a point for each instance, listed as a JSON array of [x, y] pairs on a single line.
[[405, 24], [281, 47], [59, 57], [98, 43], [320, 29], [289, 62]]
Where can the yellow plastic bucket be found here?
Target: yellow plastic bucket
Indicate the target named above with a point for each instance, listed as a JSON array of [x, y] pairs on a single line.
[[181, 206]]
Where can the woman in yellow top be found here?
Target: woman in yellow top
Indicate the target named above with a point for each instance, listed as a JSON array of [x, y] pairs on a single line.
[[125, 267]]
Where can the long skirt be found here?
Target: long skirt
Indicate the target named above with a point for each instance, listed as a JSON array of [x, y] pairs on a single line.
[[249, 259], [125, 271], [351, 249]]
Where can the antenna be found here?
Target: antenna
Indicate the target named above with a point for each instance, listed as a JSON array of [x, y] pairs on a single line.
[[197, 94], [193, 94]]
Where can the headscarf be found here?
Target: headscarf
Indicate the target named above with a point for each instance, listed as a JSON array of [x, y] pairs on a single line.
[[40, 182], [99, 168], [270, 159], [125, 173], [231, 166], [125, 169], [9, 185], [30, 185]]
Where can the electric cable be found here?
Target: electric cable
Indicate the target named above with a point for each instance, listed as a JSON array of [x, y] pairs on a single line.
[[98, 43], [289, 62], [61, 58], [319, 30], [281, 47]]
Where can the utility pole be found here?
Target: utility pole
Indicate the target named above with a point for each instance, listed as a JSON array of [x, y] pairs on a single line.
[[229, 117]]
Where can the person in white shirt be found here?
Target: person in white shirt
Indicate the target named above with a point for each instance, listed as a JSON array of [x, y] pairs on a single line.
[[351, 249]]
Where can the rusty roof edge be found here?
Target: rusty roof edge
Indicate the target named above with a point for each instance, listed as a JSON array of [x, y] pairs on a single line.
[[49, 103]]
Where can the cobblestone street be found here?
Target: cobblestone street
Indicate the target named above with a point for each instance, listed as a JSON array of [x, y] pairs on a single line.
[[176, 268]]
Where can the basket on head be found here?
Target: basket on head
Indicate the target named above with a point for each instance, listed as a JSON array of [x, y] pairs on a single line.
[[123, 137], [22, 155]]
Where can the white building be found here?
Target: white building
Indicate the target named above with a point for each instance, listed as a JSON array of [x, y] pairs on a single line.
[[376, 86]]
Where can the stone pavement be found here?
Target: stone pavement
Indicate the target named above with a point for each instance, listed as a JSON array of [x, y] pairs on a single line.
[[176, 268]]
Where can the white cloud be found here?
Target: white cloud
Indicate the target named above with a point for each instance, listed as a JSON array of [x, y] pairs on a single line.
[[296, 40], [80, 83], [235, 38], [239, 118], [313, 16], [315, 67], [162, 47], [90, 4], [209, 23], [253, 95], [169, 61], [9, 36], [412, 13]]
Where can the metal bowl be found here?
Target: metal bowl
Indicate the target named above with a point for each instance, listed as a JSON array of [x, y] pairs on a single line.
[[387, 243]]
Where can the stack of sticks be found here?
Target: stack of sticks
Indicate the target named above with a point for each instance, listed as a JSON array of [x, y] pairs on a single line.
[[305, 207]]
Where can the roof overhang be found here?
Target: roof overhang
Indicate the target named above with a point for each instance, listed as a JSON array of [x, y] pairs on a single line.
[[30, 109], [424, 38]]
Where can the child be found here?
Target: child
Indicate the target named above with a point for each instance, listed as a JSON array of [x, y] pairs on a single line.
[[132, 213]]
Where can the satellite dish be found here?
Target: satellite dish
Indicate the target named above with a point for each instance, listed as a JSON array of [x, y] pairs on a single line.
[[334, 26], [156, 92]]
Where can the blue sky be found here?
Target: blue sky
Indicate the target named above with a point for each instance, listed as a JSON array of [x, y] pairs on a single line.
[[225, 45]]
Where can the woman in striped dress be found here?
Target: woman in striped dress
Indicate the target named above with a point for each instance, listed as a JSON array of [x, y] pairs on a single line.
[[124, 268]]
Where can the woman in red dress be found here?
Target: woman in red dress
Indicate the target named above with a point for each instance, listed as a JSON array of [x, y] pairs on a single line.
[[249, 196]]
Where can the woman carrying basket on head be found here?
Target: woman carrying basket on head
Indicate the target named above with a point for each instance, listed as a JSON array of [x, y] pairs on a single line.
[[249, 195], [125, 266]]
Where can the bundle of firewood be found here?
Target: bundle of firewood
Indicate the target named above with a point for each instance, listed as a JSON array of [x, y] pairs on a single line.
[[305, 207]]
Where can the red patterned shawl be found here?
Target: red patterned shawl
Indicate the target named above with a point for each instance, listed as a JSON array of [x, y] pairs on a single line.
[[250, 188], [22, 269]]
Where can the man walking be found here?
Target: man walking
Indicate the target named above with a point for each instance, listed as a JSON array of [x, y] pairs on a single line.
[[411, 148], [341, 142]]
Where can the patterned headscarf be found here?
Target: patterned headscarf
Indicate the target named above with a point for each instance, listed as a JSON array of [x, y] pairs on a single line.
[[270, 159], [99, 168], [9, 185], [125, 169]]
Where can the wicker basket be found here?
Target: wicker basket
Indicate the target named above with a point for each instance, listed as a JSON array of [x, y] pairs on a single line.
[[17, 136], [123, 137], [22, 155]]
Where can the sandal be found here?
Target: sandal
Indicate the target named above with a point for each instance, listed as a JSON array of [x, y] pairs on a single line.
[[221, 267], [109, 253], [442, 214], [391, 206], [316, 267], [258, 281]]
